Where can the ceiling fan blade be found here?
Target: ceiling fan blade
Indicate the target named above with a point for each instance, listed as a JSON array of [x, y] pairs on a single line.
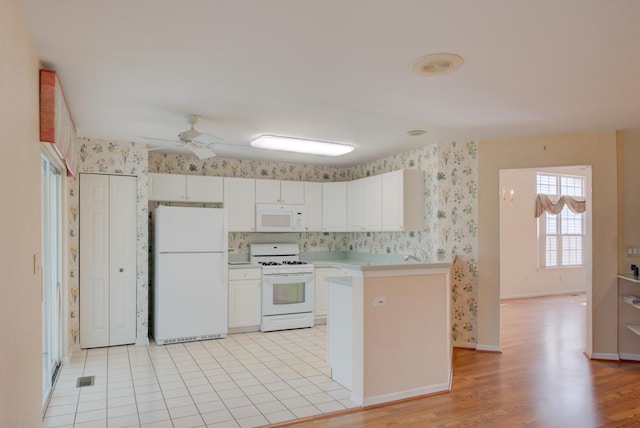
[[207, 139], [202, 152], [164, 140]]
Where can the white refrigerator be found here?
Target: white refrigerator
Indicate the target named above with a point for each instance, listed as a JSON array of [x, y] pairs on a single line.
[[190, 274]]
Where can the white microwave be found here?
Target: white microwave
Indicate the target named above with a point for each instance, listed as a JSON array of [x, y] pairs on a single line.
[[279, 218]]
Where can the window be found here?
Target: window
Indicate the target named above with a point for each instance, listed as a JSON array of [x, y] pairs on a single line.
[[561, 235]]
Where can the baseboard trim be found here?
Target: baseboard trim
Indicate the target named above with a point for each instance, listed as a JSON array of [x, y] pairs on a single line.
[[249, 329], [410, 393], [489, 348], [465, 345], [603, 356], [356, 398], [543, 294], [142, 341], [629, 357]]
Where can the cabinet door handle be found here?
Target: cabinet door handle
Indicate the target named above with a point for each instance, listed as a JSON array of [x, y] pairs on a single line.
[[121, 269]]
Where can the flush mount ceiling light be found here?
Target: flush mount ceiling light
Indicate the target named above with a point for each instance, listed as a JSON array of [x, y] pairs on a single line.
[[436, 64], [416, 132], [300, 145]]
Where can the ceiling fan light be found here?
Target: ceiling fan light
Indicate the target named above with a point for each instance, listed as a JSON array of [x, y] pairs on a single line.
[[301, 145]]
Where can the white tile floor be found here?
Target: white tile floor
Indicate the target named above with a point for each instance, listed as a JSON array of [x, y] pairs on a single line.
[[244, 380]]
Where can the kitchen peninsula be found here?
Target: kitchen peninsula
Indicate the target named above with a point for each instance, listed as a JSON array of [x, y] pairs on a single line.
[[389, 330]]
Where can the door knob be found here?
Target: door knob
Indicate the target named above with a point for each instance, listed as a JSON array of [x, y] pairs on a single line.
[[121, 269]]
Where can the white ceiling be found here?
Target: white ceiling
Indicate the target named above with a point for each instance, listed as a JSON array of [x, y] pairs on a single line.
[[339, 70]]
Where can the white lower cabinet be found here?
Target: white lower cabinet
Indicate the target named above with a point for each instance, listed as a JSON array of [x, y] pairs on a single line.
[[245, 299], [321, 296], [108, 233]]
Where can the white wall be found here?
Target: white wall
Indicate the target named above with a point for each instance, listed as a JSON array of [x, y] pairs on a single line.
[[520, 275], [20, 307]]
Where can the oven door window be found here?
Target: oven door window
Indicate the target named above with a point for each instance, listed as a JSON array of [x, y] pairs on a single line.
[[288, 294]]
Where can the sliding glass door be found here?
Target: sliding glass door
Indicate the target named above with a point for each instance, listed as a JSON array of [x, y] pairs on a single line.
[[51, 274]]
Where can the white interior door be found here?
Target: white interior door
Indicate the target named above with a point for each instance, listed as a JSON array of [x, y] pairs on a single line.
[[122, 260], [107, 260], [94, 260]]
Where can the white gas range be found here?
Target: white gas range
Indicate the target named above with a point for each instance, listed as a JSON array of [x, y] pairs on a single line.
[[287, 286]]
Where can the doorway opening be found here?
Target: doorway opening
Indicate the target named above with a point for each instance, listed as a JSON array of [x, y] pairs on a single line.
[[549, 255]]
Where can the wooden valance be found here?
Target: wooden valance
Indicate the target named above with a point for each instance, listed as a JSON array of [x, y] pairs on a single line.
[[56, 125]]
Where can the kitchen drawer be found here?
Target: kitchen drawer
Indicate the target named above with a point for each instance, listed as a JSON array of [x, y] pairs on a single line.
[[240, 274]]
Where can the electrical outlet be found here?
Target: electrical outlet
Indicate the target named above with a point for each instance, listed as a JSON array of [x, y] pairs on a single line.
[[380, 301]]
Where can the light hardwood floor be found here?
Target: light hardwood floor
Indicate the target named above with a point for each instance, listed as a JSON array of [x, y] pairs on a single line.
[[541, 379]]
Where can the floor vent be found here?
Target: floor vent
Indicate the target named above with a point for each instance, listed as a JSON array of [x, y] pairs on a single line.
[[85, 381]]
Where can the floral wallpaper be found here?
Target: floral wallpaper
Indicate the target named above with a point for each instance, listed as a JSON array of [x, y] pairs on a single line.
[[450, 212], [458, 233], [181, 164], [110, 158]]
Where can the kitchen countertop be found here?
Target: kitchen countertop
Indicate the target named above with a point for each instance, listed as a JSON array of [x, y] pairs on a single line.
[[342, 280], [351, 260], [629, 277], [244, 265], [378, 265], [355, 265]]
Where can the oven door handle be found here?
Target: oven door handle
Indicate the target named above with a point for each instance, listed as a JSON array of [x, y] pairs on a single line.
[[287, 275]]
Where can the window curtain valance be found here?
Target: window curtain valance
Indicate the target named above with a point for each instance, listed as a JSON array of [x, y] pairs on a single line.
[[544, 203], [56, 125]]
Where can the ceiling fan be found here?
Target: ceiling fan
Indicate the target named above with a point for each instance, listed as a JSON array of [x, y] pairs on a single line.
[[198, 143]]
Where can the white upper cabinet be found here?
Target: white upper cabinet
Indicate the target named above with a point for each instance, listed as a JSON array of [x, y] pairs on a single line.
[[292, 192], [355, 205], [185, 188], [403, 200], [240, 202], [334, 207], [267, 191], [388, 202], [364, 204], [279, 192], [373, 203], [167, 187], [201, 188], [313, 206]]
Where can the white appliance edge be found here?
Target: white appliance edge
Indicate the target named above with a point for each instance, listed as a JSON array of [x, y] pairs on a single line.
[[190, 274]]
